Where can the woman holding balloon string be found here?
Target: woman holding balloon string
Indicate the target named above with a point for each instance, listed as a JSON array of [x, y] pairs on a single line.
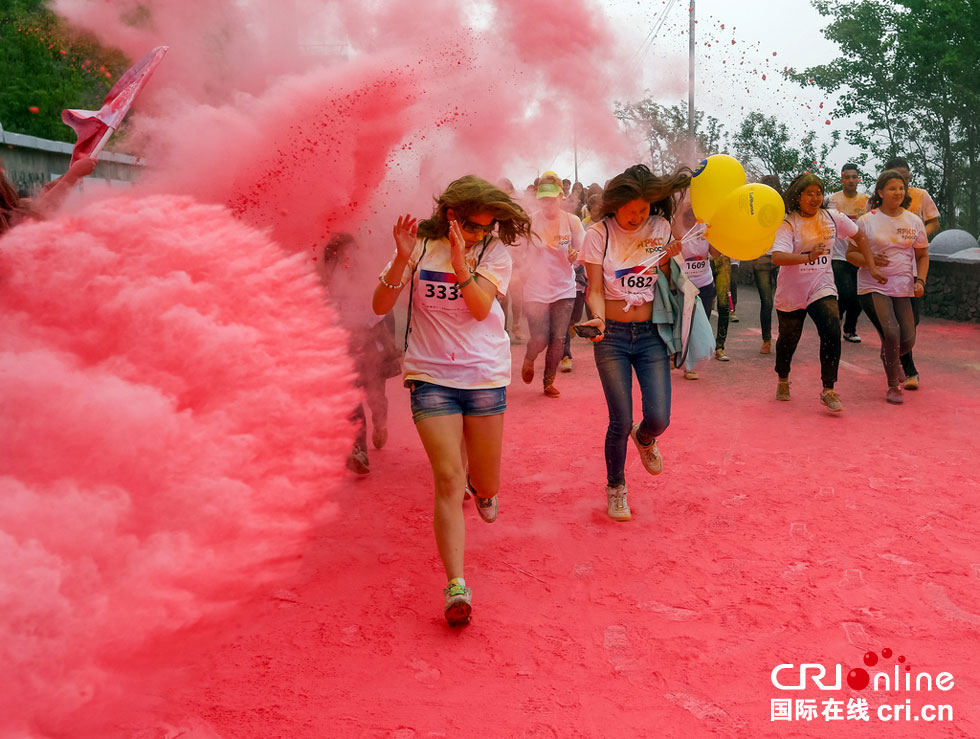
[[806, 287], [697, 254], [621, 254]]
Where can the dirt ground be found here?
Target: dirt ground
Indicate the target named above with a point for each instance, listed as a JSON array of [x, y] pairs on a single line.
[[776, 534]]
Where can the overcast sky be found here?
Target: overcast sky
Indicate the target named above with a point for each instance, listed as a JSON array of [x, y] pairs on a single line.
[[732, 79]]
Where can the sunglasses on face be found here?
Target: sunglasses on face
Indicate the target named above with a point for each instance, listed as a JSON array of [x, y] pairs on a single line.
[[474, 228]]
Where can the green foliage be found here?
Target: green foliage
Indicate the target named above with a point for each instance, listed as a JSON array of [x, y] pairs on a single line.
[[665, 131], [763, 146], [48, 66], [907, 70]]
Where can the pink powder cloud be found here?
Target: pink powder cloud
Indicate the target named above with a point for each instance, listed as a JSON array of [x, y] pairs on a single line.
[[175, 398]]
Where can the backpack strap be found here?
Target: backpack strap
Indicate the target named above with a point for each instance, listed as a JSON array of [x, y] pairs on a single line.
[[411, 292]]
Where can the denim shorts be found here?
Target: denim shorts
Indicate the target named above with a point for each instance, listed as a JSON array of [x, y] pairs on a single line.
[[430, 400]]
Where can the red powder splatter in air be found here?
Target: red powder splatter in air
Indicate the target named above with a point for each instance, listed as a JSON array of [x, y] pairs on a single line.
[[34, 109], [175, 410], [827, 121]]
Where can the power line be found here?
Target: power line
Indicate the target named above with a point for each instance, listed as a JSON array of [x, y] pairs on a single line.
[[652, 35]]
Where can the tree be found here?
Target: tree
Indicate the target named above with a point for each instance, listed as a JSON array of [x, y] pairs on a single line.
[[908, 70], [763, 146], [665, 131], [47, 66]]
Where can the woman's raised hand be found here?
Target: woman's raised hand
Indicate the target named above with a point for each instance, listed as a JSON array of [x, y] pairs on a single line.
[[673, 249], [457, 245], [405, 232]]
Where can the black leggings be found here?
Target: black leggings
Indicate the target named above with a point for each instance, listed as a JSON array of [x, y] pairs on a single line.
[[824, 314], [845, 277], [907, 364], [894, 319]]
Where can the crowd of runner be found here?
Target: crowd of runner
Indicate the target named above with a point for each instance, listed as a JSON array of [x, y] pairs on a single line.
[[622, 265]]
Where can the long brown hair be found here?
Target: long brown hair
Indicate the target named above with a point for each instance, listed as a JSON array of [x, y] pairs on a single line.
[[470, 195], [883, 179], [639, 183]]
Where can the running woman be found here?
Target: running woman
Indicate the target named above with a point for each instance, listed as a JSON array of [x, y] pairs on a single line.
[[922, 205], [549, 285], [802, 249], [633, 234], [898, 238], [697, 254], [457, 355]]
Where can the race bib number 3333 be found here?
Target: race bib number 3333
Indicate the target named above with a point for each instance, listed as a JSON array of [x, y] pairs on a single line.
[[439, 290]]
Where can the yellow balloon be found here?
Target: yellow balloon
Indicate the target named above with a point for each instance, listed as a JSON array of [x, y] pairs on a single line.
[[745, 224], [714, 179]]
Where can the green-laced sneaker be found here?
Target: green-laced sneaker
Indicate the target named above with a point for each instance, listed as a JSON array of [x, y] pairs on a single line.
[[459, 601]]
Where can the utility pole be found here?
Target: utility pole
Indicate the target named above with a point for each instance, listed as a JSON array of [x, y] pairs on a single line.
[[690, 77], [575, 145]]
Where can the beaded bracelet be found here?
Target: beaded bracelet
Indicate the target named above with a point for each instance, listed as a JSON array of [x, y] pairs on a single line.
[[390, 286]]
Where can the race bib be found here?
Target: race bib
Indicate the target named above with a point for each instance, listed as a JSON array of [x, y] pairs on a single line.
[[440, 291], [818, 265], [695, 268], [633, 279]]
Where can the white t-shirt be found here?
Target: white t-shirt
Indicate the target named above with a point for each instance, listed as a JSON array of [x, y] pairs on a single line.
[[697, 261], [629, 268], [853, 208], [548, 275], [799, 285], [447, 345], [896, 237]]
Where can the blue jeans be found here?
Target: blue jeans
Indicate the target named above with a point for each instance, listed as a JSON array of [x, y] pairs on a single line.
[[627, 348]]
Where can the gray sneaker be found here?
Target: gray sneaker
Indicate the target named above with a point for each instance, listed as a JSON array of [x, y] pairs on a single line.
[[832, 400], [649, 454], [616, 505], [459, 604], [357, 461], [486, 507]]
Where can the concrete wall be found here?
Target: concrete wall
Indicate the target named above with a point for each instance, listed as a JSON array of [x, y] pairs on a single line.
[[30, 162], [953, 289]]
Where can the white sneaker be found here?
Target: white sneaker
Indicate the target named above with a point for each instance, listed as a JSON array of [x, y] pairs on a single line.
[[565, 365], [486, 507], [616, 505], [649, 454]]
